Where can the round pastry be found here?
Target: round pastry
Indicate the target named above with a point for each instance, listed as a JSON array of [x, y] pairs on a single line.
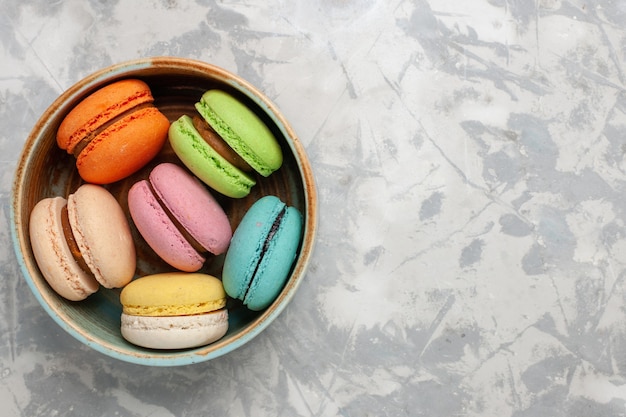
[[178, 217], [224, 145], [262, 252], [82, 242], [114, 131], [174, 310]]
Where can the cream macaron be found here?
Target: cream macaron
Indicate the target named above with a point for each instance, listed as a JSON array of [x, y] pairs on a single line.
[[82, 242], [174, 310]]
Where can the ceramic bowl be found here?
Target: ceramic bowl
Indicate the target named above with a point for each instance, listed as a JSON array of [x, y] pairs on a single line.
[[44, 170]]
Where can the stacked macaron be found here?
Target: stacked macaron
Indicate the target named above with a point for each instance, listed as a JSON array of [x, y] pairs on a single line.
[[86, 241]]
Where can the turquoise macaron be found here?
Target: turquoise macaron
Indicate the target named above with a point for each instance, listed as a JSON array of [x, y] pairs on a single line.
[[261, 252]]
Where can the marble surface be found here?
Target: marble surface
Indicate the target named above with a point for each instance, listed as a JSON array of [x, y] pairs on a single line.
[[470, 159]]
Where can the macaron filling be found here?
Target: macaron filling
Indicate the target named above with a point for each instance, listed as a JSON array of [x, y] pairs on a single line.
[[186, 235], [72, 244], [215, 141], [264, 250], [173, 309], [232, 138]]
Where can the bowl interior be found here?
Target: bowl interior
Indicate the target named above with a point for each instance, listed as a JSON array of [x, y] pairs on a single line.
[[44, 170]]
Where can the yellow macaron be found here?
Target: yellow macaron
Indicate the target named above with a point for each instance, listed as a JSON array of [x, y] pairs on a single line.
[[174, 310]]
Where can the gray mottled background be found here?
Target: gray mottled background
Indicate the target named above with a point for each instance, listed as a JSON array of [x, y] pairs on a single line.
[[472, 247]]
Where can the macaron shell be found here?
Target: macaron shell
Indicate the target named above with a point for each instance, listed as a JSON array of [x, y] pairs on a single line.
[[242, 129], [103, 235], [175, 332], [247, 243], [100, 107], [173, 294], [273, 270], [124, 147], [53, 255], [193, 206], [209, 166], [159, 231]]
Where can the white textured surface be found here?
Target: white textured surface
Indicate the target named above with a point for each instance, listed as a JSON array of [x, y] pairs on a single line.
[[471, 258]]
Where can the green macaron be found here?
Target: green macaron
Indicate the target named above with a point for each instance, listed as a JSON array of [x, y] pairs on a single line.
[[226, 144], [205, 162], [242, 129]]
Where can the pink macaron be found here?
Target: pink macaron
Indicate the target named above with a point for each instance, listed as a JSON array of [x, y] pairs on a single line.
[[178, 217]]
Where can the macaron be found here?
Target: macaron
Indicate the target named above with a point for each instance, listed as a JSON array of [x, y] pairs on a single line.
[[226, 145], [174, 310], [178, 217], [82, 242], [261, 252], [113, 132]]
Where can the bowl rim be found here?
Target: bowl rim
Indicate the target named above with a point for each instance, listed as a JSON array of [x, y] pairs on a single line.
[[134, 68]]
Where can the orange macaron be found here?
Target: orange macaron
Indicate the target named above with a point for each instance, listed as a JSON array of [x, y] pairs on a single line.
[[114, 132]]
